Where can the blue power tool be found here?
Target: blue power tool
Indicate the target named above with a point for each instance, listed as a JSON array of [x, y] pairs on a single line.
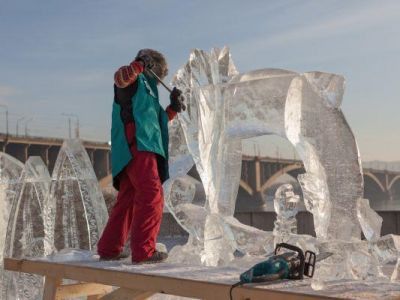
[[293, 265], [288, 265]]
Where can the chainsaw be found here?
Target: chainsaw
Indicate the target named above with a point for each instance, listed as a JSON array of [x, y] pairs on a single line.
[[288, 263]]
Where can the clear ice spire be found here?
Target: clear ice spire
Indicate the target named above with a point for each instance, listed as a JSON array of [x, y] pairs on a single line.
[[10, 172], [28, 233], [80, 210]]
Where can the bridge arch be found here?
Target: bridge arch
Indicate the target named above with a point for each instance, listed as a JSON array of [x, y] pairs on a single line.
[[392, 182], [279, 173], [376, 180], [246, 187]]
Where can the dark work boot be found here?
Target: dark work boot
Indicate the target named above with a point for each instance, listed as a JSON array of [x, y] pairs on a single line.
[[122, 255], [157, 257]]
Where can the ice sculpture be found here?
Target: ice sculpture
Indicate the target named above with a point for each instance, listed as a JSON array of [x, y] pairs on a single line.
[[29, 229], [350, 260], [217, 158], [225, 107], [10, 172], [286, 208], [66, 210], [80, 210], [396, 272], [386, 249], [370, 221]]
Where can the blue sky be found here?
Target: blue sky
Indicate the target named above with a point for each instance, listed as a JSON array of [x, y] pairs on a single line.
[[59, 56]]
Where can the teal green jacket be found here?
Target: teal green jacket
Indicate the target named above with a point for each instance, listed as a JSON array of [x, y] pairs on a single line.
[[151, 122]]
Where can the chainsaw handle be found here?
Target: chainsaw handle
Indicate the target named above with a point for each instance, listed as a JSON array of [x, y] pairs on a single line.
[[290, 247], [309, 265], [300, 255]]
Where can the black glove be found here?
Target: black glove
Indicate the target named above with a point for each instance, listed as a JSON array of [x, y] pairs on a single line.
[[146, 60], [177, 100]]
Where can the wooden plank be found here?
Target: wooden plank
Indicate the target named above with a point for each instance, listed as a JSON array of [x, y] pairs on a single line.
[[241, 294], [82, 289], [127, 294], [152, 283], [50, 287]]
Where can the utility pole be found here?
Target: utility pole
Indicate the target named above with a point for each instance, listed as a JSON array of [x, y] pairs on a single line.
[[6, 112], [26, 126], [19, 120], [77, 133], [69, 127], [77, 128]]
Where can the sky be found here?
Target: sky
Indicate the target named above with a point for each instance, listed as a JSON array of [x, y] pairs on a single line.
[[59, 57]]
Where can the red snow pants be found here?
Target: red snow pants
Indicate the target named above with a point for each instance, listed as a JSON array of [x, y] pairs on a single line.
[[138, 209]]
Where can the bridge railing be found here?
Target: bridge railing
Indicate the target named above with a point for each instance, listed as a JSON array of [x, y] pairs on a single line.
[[383, 166]]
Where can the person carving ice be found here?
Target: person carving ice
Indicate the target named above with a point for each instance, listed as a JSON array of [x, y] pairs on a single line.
[[139, 155]]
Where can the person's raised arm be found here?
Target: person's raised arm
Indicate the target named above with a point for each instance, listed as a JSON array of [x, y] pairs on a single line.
[[126, 75]]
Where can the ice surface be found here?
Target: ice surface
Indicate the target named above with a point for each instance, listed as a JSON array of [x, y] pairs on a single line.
[[370, 221], [80, 210], [67, 255]]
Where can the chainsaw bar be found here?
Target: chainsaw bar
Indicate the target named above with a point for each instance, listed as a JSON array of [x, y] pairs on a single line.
[[324, 255]]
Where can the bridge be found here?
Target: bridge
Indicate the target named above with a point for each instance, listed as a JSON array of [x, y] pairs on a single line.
[[48, 148], [259, 174]]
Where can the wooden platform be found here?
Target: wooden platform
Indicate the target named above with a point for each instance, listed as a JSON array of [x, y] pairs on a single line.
[[115, 280]]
